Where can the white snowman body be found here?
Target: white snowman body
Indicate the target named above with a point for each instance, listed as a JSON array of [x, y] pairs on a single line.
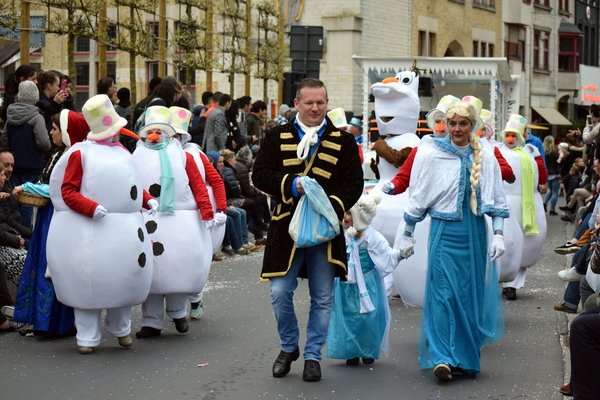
[[410, 276], [532, 244], [181, 247], [105, 263]]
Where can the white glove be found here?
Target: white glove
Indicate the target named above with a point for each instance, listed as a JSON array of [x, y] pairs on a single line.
[[497, 247], [388, 187], [99, 212], [209, 225], [220, 219], [406, 246], [153, 204]]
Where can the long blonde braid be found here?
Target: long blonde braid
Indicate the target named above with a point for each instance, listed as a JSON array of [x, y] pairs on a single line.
[[475, 168]]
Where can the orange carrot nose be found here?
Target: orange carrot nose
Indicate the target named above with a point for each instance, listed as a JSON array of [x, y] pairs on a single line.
[[510, 139], [479, 133], [153, 136], [129, 133], [389, 80], [440, 127]]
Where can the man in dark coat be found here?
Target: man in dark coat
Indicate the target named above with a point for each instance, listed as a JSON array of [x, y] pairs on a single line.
[[308, 146]]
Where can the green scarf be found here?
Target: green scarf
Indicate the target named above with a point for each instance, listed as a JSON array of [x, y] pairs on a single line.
[[167, 181], [528, 204]]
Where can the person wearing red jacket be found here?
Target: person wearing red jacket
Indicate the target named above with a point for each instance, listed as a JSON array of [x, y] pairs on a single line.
[[180, 229], [97, 247], [180, 121]]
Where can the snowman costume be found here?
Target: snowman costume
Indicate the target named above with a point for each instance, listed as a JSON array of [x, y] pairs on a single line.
[[214, 184], [180, 121], [97, 193], [508, 263], [532, 226], [410, 277], [180, 230], [397, 113]]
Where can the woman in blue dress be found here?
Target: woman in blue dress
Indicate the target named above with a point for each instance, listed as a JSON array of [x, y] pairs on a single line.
[[36, 303], [459, 183]]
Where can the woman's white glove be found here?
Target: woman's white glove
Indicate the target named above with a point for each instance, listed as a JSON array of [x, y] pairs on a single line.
[[209, 225], [99, 212], [406, 246], [388, 187], [497, 247], [153, 204], [220, 219]]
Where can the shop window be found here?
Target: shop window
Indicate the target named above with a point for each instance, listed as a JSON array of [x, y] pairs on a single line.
[[568, 55]]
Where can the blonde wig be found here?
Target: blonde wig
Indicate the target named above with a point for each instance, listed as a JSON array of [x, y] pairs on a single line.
[[466, 110]]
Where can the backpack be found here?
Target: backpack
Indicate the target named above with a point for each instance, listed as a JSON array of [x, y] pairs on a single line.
[[141, 121]]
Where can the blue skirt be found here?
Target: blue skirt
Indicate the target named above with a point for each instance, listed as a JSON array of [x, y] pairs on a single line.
[[352, 334], [36, 302], [462, 309]]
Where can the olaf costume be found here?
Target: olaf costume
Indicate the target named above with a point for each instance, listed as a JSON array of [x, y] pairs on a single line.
[[411, 275], [397, 113], [97, 193], [181, 243]]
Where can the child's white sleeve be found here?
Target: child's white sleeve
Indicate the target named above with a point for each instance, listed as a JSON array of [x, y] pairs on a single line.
[[385, 258]]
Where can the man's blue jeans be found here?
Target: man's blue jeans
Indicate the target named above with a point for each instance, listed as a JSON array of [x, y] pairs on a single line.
[[321, 274]]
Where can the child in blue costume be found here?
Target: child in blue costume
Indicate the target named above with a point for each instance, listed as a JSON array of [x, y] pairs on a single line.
[[360, 317], [36, 303]]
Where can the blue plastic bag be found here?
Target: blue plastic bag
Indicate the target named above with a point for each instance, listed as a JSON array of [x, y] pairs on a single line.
[[314, 220]]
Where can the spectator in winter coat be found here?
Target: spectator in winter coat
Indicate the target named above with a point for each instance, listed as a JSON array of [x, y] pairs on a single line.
[[242, 167], [51, 98], [26, 135], [255, 121]]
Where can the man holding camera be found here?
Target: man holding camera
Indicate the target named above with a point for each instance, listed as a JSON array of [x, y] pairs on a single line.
[[592, 128]]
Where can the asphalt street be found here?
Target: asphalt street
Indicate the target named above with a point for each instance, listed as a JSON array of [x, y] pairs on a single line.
[[236, 342]]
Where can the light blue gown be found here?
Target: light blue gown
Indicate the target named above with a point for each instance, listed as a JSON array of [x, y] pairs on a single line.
[[462, 309], [352, 334]]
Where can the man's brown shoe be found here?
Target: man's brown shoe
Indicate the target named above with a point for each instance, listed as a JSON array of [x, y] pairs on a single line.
[[562, 307], [566, 390]]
